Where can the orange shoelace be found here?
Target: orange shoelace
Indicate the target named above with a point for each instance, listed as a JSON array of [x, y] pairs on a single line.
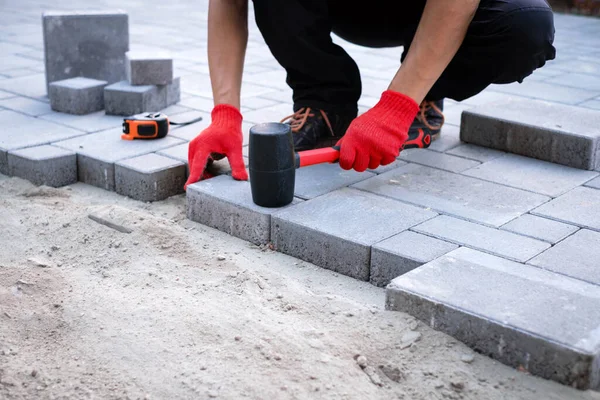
[[298, 119], [423, 108]]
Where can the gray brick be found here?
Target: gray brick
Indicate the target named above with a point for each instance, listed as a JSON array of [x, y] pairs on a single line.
[[20, 131], [576, 256], [546, 91], [523, 127], [121, 98], [150, 177], [198, 103], [320, 179], [180, 153], [403, 253], [524, 317], [453, 194], [336, 230], [593, 104], [26, 106], [594, 183], [77, 96], [531, 174], [448, 139], [98, 152], [582, 81], [226, 204], [173, 91], [578, 207], [474, 152], [44, 165], [93, 122], [90, 44], [385, 168], [437, 160], [540, 228], [269, 114], [490, 240], [452, 113], [149, 69], [31, 85], [486, 97], [5, 95]]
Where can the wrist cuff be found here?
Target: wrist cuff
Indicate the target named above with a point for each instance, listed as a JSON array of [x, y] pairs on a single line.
[[226, 114], [402, 105]]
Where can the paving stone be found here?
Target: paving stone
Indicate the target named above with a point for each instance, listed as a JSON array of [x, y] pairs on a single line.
[[403, 253], [6, 95], [523, 127], [316, 180], [189, 132], [577, 256], [524, 317], [449, 138], [44, 165], [540, 228], [30, 86], [592, 104], [453, 113], [121, 98], [336, 230], [77, 96], [385, 168], [474, 152], [198, 103], [547, 92], [578, 207], [490, 240], [149, 68], [98, 152], [90, 44], [531, 174], [20, 131], [437, 160], [26, 106], [581, 66], [173, 91], [594, 183], [93, 122], [150, 177], [269, 114], [458, 195], [226, 204], [486, 97], [13, 61], [583, 81]]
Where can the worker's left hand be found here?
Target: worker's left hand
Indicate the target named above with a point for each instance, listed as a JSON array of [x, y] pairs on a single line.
[[375, 138]]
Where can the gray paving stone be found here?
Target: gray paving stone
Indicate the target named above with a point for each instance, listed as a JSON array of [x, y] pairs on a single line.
[[403, 253], [453, 113], [386, 168], [577, 256], [486, 97], [336, 230], [26, 106], [31, 85], [198, 103], [449, 138], [6, 95], [20, 131], [525, 317], [149, 69], [269, 114], [93, 122], [474, 152], [121, 98], [530, 174], [578, 207], [87, 43], [173, 91], [77, 96], [437, 160], [149, 177], [523, 127], [462, 196], [226, 204], [98, 152], [44, 165], [594, 183], [547, 92], [540, 228], [582, 81], [320, 179], [592, 104], [490, 240]]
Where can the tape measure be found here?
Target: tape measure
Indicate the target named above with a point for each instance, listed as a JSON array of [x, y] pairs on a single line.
[[147, 126]]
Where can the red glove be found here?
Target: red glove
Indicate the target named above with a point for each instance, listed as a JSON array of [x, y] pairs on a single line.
[[375, 137], [222, 138]]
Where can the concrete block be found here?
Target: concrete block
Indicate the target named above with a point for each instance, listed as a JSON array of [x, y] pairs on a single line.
[[317, 180], [386, 168], [403, 253], [180, 153], [490, 240], [577, 256], [523, 127], [77, 95], [437, 160], [530, 174], [449, 138], [90, 44], [226, 204], [150, 177], [98, 152], [121, 98], [540, 228], [44, 165], [173, 91], [20, 131], [26, 106], [149, 69], [474, 152], [542, 322], [94, 122], [578, 207], [458, 195], [336, 230], [33, 86]]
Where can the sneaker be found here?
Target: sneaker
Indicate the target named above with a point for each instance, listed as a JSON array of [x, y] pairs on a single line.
[[427, 125], [313, 128]]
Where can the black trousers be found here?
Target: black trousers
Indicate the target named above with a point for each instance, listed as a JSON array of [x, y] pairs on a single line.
[[505, 42]]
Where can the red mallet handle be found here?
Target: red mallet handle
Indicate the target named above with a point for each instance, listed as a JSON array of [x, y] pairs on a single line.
[[317, 156]]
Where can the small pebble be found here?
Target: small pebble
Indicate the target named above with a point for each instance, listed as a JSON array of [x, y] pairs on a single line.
[[467, 358], [221, 258], [277, 357], [458, 385], [34, 373], [361, 361], [238, 338]]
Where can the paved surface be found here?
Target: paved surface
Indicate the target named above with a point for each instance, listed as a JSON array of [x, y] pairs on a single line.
[[523, 285]]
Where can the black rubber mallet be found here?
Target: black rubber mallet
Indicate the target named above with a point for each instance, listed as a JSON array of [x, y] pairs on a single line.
[[272, 162]]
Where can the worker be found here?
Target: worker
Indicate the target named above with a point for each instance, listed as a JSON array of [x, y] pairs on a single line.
[[451, 49]]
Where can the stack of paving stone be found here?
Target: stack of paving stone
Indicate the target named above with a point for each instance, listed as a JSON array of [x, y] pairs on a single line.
[[149, 87]]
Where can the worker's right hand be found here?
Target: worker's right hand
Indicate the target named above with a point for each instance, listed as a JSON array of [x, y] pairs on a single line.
[[223, 138]]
